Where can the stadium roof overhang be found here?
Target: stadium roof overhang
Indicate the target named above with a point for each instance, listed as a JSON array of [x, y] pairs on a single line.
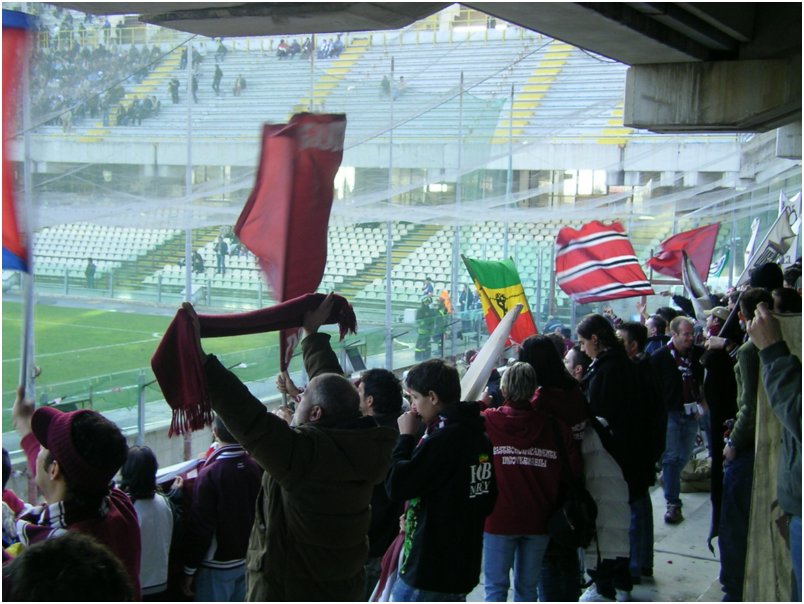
[[695, 66]]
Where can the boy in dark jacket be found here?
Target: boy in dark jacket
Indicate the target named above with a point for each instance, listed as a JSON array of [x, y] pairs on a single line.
[[448, 480]]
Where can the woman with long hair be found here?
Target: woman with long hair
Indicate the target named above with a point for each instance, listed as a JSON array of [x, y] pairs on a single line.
[[155, 517], [612, 388], [557, 394]]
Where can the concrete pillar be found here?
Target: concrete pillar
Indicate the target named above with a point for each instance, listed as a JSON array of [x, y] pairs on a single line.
[[788, 141], [731, 96]]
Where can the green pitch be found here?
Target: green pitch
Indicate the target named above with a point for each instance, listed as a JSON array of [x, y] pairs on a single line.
[[105, 354]]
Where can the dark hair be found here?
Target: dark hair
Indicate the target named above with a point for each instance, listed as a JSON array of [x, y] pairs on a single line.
[[540, 353], [138, 474], [386, 389], [598, 325], [667, 313], [71, 568], [437, 376], [751, 298], [768, 275], [222, 431], [786, 300], [792, 274], [636, 333], [337, 397], [660, 323], [6, 467], [558, 342], [100, 443], [581, 358]]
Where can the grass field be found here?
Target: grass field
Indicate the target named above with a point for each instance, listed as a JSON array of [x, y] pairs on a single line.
[[105, 353]]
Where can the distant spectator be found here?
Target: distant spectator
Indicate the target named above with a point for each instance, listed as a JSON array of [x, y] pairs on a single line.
[[307, 48], [221, 250], [183, 59], [194, 87], [173, 87], [295, 48], [282, 50], [238, 85], [220, 53], [198, 262], [400, 87], [427, 288], [89, 273], [216, 79], [72, 567]]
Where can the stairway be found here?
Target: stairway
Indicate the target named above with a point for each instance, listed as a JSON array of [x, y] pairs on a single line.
[[132, 274], [336, 71], [399, 251], [533, 91], [157, 77]]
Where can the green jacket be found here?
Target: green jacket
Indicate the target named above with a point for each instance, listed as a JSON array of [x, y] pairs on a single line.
[[781, 375], [308, 542], [743, 434]]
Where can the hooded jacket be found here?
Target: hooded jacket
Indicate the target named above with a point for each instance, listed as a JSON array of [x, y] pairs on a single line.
[[448, 481], [528, 469], [308, 542]]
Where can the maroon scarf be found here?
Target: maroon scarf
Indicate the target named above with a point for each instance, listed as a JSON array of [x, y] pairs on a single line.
[[177, 362]]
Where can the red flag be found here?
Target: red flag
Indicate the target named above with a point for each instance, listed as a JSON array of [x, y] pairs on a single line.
[[285, 220], [15, 40], [699, 245], [597, 263]]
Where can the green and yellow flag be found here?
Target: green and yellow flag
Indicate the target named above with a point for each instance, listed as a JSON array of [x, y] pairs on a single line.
[[500, 289]]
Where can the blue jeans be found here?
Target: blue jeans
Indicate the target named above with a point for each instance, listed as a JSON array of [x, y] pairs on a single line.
[[560, 579], [795, 556], [220, 584], [402, 592], [680, 441], [524, 554], [735, 507], [641, 535]]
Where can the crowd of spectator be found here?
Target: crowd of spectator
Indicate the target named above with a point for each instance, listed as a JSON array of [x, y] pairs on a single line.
[[80, 72], [328, 49]]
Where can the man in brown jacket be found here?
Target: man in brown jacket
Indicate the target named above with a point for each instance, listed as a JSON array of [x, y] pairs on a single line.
[[308, 542]]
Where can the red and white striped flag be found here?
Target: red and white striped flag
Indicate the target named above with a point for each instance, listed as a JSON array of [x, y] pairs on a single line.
[[597, 263]]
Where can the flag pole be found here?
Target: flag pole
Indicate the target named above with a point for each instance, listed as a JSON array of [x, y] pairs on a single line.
[[27, 278], [188, 230], [389, 236], [456, 234], [509, 181]]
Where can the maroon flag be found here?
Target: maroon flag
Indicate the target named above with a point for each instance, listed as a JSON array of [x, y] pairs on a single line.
[[597, 263], [698, 243], [285, 220]]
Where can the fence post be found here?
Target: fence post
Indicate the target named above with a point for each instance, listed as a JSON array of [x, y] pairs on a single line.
[[141, 408]]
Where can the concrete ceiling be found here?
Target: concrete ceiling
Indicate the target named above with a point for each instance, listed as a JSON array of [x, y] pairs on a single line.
[[633, 33]]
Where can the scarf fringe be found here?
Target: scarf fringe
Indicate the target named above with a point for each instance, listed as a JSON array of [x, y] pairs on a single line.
[[186, 420]]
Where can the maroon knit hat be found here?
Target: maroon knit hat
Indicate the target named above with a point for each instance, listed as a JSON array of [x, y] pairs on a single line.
[[52, 428]]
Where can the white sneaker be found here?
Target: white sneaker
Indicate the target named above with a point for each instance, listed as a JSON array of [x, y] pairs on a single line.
[[622, 595], [591, 595]]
